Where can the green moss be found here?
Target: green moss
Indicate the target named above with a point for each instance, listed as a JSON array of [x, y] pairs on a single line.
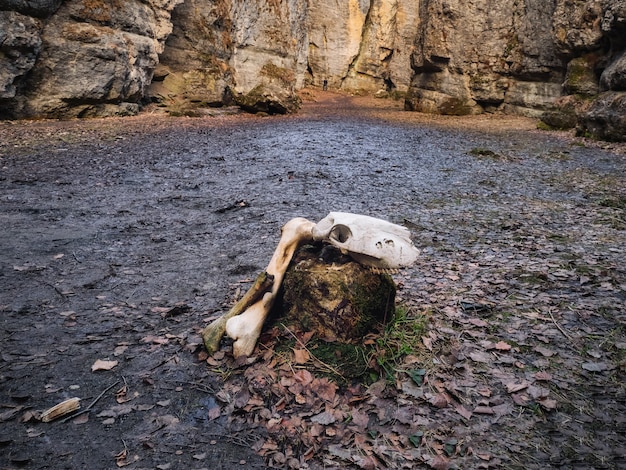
[[482, 152], [350, 361], [382, 357], [401, 338], [374, 304], [286, 76], [616, 202]]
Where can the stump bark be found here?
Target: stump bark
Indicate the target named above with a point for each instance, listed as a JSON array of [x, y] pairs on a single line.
[[334, 297]]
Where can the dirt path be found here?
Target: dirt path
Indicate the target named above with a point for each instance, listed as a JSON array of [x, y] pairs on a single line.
[[122, 238]]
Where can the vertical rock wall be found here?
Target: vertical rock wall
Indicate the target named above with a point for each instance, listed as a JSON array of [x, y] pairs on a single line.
[[562, 60], [474, 56], [195, 66], [335, 31], [93, 57], [362, 45], [605, 116]]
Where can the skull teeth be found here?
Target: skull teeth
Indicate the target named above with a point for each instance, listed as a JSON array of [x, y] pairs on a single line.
[[377, 270]]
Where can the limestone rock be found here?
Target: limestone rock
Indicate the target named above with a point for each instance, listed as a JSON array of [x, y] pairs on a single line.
[[606, 117], [85, 57], [334, 38], [217, 48], [96, 57], [268, 99], [20, 44], [580, 78], [434, 102], [36, 8], [336, 298], [268, 34], [384, 47], [560, 119], [194, 70], [577, 26], [614, 76], [566, 112], [509, 43], [531, 98], [614, 20]]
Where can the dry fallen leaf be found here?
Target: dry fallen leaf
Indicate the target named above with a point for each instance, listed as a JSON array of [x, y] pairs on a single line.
[[545, 351], [377, 388], [513, 387], [503, 346], [548, 403], [103, 365], [543, 376], [301, 356], [481, 356], [125, 462], [460, 409], [359, 418], [440, 400], [154, 339], [478, 322], [303, 377], [439, 462], [596, 366], [520, 399], [484, 410], [214, 413], [323, 418], [324, 389]]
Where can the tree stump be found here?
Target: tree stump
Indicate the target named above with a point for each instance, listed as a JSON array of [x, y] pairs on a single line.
[[337, 299]]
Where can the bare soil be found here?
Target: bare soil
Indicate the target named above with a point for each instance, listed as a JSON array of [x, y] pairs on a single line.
[[122, 238]]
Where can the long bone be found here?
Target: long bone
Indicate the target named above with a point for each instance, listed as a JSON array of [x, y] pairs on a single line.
[[245, 328]]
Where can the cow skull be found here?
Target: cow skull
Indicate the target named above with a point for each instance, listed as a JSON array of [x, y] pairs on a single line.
[[369, 241]]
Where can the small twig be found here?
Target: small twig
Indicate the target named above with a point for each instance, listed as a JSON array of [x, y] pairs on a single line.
[[163, 362], [131, 295], [86, 410], [56, 289], [557, 325]]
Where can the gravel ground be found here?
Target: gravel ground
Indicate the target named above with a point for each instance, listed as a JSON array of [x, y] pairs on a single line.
[[122, 238]]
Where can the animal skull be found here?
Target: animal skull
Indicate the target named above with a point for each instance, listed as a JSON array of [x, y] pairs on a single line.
[[368, 240]]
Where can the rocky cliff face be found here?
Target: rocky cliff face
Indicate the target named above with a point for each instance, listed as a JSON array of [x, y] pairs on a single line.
[[561, 60], [79, 58], [225, 48], [473, 56], [362, 44]]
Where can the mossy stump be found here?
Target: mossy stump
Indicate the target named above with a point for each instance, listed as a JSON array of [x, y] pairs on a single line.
[[334, 297]]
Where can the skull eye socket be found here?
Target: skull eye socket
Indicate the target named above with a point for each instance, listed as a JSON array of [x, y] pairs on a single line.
[[340, 233]]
